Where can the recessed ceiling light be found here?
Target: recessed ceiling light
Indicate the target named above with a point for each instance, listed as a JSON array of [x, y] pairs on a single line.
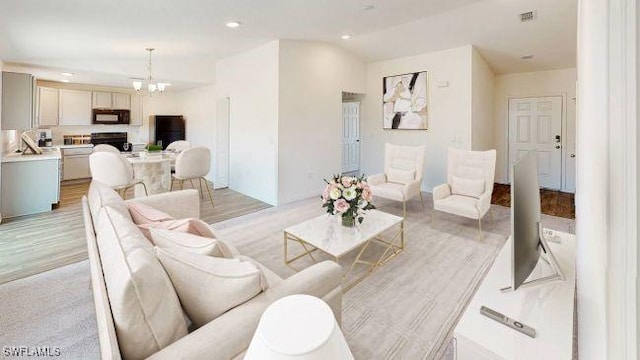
[[346, 37], [66, 74], [526, 57], [64, 80], [233, 24]]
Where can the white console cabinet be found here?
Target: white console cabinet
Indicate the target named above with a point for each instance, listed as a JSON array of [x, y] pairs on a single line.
[[548, 308]]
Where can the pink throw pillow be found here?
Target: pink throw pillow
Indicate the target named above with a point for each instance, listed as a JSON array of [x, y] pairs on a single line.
[[192, 226], [144, 214]]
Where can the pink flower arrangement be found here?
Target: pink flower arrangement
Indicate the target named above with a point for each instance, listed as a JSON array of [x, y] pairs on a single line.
[[348, 197]]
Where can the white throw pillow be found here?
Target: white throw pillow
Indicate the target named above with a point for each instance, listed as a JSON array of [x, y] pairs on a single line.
[[189, 242], [467, 187], [209, 286], [145, 307], [400, 176]]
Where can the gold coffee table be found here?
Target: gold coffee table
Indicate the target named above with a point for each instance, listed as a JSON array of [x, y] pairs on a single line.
[[326, 233]]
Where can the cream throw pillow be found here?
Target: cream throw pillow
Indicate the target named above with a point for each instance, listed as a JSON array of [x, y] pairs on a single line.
[[467, 187], [209, 286], [145, 214], [145, 307], [400, 176], [186, 241]]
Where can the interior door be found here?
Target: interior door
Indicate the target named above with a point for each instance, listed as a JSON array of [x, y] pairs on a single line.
[[536, 123], [222, 143], [350, 136]]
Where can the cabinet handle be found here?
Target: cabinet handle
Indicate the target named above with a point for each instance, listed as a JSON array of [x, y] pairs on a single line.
[[573, 155]]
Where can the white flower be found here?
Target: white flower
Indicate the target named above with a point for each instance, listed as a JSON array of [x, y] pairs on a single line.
[[350, 193], [362, 204], [335, 193]]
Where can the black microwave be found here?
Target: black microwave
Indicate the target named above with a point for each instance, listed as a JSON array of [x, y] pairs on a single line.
[[110, 117]]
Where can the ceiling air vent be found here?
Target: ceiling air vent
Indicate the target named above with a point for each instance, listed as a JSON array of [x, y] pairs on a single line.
[[527, 16]]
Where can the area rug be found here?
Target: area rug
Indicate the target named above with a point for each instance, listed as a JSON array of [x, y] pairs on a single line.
[[405, 310]]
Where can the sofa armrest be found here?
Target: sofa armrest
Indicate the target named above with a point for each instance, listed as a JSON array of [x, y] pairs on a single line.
[[230, 334], [442, 191], [412, 188], [377, 179], [179, 204]]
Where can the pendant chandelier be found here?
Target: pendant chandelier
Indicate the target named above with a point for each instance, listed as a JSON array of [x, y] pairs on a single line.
[[150, 83]]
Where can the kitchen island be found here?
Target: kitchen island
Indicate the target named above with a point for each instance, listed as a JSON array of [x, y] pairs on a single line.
[[30, 184]]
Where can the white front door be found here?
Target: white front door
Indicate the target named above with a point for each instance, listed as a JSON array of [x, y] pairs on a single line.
[[536, 123], [222, 143], [350, 136]]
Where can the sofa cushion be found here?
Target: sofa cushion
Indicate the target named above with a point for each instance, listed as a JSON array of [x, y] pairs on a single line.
[[185, 241], [399, 176], [209, 286], [145, 214], [100, 195], [192, 226], [467, 187], [145, 308]]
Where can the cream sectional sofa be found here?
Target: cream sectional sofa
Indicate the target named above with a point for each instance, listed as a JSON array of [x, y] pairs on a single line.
[[121, 290]]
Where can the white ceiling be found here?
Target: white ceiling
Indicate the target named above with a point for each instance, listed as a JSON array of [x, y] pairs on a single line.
[[103, 41]]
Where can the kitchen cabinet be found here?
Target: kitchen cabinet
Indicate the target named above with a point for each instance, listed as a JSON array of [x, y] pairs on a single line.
[[101, 100], [75, 163], [47, 113], [17, 101], [30, 187], [107, 100], [74, 107], [137, 108], [120, 101]]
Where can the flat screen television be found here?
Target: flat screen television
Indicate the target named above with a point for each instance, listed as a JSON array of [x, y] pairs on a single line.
[[526, 228]]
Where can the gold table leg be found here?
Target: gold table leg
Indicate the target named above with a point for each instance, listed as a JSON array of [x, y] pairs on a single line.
[[288, 237]]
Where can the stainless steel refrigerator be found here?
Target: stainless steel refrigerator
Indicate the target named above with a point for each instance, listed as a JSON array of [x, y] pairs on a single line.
[[166, 128]]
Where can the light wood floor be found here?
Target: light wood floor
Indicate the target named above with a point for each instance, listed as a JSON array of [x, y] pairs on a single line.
[[32, 244]]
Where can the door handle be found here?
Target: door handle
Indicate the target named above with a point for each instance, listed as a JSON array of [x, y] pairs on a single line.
[[358, 140], [573, 155], [557, 146]]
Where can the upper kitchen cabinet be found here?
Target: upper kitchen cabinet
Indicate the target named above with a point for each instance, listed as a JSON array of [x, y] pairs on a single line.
[[107, 100], [18, 92], [75, 107], [47, 106], [135, 117], [101, 100], [121, 101]]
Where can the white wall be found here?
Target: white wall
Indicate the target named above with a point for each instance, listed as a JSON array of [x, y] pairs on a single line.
[[199, 110], [449, 111], [592, 186], [482, 99], [535, 84], [250, 80], [313, 76]]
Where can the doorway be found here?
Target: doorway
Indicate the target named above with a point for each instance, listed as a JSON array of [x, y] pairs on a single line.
[[350, 137], [536, 124], [222, 142]]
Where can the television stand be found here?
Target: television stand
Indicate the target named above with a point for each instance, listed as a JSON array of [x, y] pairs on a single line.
[[548, 308], [539, 276]]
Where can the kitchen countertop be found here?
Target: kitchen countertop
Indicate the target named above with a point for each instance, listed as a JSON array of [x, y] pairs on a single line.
[[53, 154]]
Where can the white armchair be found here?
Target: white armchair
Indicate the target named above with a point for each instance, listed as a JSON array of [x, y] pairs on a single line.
[[469, 186], [402, 177]]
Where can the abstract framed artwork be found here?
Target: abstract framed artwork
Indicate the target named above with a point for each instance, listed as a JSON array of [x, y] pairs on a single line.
[[404, 101]]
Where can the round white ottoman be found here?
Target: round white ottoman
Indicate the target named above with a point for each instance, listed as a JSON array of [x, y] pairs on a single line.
[[298, 327]]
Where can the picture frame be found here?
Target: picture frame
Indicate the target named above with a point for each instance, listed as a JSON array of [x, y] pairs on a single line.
[[405, 101]]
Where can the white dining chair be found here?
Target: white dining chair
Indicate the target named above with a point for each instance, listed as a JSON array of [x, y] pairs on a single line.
[[193, 163], [112, 170], [106, 148], [179, 146]]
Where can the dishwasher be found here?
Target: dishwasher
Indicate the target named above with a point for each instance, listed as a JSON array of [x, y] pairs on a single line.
[[75, 163]]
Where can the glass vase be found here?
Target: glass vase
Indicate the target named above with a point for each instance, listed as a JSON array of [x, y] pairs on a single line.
[[348, 221]]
